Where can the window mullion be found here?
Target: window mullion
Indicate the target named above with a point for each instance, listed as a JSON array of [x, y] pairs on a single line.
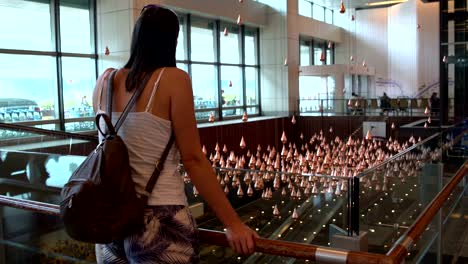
[[189, 43], [217, 29], [244, 82], [55, 10]]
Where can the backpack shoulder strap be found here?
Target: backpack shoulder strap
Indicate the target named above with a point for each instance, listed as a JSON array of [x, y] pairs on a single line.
[[157, 171]]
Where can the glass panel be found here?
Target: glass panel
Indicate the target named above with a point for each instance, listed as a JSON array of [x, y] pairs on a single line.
[[329, 57], [252, 110], [231, 86], [205, 86], [329, 16], [318, 13], [317, 54], [305, 8], [230, 43], [181, 45], [75, 27], [309, 90], [29, 87], [251, 46], [25, 25], [79, 79], [202, 40], [251, 86], [305, 55]]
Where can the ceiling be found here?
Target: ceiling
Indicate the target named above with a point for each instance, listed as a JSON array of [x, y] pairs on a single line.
[[335, 4]]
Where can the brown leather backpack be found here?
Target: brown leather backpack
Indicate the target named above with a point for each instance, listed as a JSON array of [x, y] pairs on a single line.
[[99, 202]]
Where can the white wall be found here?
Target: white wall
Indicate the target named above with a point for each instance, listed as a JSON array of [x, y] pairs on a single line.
[[404, 57], [402, 49]]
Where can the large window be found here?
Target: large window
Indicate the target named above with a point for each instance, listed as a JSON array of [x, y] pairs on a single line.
[[222, 59], [309, 9], [47, 63], [315, 52]]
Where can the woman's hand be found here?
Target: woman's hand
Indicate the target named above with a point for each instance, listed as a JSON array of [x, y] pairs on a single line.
[[241, 238]]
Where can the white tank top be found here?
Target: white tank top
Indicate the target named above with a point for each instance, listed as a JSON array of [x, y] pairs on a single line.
[[146, 137]]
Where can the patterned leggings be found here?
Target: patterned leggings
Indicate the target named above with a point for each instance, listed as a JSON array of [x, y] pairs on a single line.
[[169, 237]]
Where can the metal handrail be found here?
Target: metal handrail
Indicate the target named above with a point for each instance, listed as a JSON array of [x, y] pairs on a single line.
[[267, 246], [413, 234]]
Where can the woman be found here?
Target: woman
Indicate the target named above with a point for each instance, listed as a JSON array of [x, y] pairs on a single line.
[[165, 106]]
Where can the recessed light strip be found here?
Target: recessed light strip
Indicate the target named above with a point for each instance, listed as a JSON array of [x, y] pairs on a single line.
[[386, 2]]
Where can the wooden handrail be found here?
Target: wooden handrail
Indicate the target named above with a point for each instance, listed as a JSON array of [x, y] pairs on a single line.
[[413, 234], [267, 246]]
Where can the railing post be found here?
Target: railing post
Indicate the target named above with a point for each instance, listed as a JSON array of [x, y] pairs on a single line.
[[355, 206]]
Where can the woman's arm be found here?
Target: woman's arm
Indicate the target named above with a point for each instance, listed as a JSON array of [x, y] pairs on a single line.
[[240, 237]]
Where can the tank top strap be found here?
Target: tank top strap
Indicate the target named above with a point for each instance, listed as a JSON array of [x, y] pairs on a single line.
[[149, 106]]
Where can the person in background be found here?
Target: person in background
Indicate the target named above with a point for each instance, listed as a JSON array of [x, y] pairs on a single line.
[[165, 106], [385, 103], [435, 104]]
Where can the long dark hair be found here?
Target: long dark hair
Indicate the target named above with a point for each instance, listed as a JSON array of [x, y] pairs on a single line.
[[154, 43]]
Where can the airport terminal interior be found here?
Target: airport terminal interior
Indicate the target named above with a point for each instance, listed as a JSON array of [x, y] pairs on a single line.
[[338, 129]]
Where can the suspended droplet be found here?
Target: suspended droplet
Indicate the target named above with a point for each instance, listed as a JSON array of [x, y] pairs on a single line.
[[393, 125], [444, 59], [364, 64], [245, 117], [195, 191], [283, 138], [204, 150], [225, 150], [286, 62], [242, 143], [293, 120], [226, 31], [322, 56], [295, 215], [107, 52], [426, 111], [368, 135], [330, 44], [240, 192], [276, 211], [353, 18], [342, 7], [211, 119], [239, 20], [301, 136]]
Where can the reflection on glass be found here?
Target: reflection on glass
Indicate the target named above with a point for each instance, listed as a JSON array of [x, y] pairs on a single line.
[[202, 40], [205, 86], [250, 47], [305, 8], [251, 86], [180, 52], [318, 13], [25, 25], [75, 27], [230, 42], [305, 55], [231, 86], [79, 78], [29, 88]]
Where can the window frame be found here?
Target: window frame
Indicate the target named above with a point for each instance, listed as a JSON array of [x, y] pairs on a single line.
[[54, 5], [218, 31]]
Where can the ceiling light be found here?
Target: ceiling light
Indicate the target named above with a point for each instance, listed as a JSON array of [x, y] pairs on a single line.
[[386, 3]]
